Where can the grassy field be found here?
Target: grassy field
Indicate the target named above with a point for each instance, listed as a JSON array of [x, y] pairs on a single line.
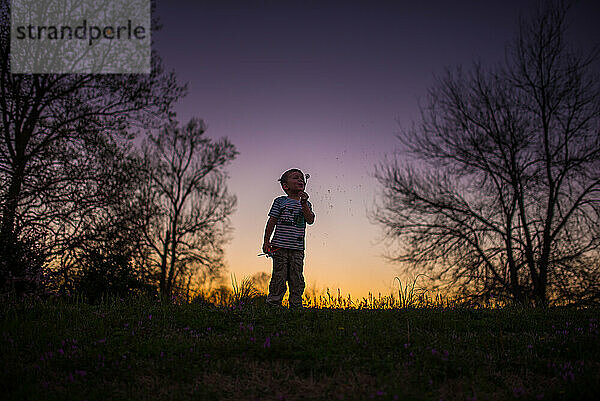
[[140, 349]]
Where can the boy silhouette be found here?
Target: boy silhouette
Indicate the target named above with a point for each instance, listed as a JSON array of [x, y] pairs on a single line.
[[288, 217]]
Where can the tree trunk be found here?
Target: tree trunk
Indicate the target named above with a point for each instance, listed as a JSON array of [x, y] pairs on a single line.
[[163, 267], [173, 255], [541, 298], [8, 265], [9, 211], [515, 287]]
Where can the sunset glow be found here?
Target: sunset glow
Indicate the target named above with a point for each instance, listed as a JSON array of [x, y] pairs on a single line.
[[325, 88]]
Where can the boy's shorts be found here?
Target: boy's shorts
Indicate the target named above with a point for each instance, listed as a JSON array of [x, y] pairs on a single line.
[[288, 265]]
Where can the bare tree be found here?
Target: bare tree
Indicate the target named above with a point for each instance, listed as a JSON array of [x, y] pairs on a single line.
[[498, 186], [105, 254], [53, 129], [186, 203]]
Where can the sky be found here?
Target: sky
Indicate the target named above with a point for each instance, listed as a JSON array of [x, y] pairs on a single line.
[[326, 86]]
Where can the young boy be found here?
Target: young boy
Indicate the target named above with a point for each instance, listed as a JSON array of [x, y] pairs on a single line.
[[288, 216]]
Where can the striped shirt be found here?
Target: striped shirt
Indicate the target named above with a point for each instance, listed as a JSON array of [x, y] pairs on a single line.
[[290, 227]]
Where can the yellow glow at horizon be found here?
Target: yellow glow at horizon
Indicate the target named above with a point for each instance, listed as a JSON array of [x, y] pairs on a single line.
[[342, 247]]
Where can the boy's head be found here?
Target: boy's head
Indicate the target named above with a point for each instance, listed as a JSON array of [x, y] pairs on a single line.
[[292, 181]]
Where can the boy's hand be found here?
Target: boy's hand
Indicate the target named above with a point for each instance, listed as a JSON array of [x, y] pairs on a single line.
[[309, 216], [266, 248]]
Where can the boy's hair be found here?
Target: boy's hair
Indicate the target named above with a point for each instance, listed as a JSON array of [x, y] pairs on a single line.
[[284, 176]]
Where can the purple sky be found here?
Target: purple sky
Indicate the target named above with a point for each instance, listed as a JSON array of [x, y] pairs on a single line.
[[324, 86]]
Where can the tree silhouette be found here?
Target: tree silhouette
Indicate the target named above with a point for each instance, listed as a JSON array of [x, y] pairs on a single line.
[[497, 188], [56, 130], [186, 203], [106, 254]]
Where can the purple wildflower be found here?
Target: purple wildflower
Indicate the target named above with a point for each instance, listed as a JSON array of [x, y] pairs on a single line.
[[518, 391]]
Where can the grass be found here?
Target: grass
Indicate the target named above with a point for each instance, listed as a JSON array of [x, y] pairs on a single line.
[[143, 349]]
